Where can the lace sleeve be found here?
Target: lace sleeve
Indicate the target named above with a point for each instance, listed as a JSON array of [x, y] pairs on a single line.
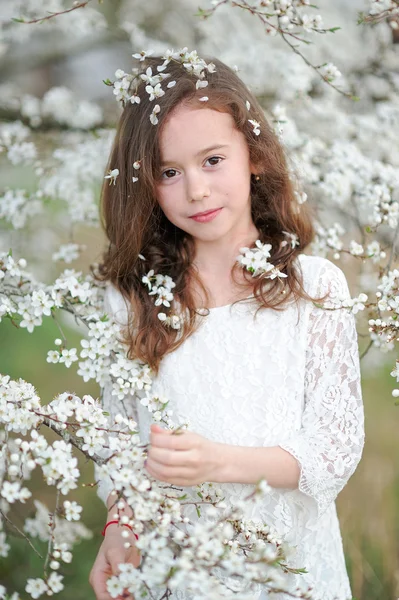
[[115, 307], [329, 444]]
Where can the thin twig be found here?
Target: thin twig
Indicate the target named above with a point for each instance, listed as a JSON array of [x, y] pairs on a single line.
[[51, 534], [21, 533], [52, 15], [243, 4], [366, 350]]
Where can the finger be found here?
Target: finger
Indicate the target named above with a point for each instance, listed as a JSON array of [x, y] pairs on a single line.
[[158, 429], [175, 442], [168, 457], [98, 578], [176, 475]]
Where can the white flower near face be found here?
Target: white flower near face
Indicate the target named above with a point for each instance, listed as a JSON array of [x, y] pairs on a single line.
[[201, 84], [175, 322], [112, 175], [154, 92], [250, 261], [121, 88], [164, 280], [149, 78], [274, 272], [146, 279], [294, 240], [153, 116], [165, 297], [135, 99], [35, 587], [255, 125], [264, 249], [141, 56]]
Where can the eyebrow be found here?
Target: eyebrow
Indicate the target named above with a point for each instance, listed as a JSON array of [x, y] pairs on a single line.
[[199, 153]]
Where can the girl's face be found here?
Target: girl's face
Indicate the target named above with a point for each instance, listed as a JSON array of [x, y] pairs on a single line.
[[205, 167]]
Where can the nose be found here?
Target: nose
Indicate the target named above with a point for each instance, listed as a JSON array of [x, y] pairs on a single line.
[[197, 186]]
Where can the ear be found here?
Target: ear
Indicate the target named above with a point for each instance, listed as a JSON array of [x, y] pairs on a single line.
[[255, 169]]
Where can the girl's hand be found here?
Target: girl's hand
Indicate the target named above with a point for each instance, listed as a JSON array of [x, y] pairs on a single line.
[[111, 554], [185, 458]]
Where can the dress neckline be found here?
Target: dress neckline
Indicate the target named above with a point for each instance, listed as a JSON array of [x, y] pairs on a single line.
[[213, 308]]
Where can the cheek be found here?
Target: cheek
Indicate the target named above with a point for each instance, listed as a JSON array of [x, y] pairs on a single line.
[[168, 201]]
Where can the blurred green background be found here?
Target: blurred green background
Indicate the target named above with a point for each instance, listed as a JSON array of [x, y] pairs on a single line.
[[367, 507]]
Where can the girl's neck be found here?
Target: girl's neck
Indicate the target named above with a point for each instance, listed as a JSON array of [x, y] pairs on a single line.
[[214, 262], [215, 259]]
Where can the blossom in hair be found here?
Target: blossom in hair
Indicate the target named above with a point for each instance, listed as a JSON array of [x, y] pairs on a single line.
[[154, 92], [294, 240], [255, 260], [112, 175], [173, 321], [153, 116], [190, 61], [142, 55], [255, 125], [201, 84]]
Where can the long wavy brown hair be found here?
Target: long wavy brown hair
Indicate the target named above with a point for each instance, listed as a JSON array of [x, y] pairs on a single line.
[[135, 224]]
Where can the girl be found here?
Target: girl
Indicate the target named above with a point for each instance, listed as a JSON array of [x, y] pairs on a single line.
[[268, 380]]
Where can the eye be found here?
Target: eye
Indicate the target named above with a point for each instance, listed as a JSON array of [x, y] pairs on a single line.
[[214, 160], [169, 174]]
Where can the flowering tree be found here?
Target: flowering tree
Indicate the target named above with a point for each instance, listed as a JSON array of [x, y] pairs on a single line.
[[343, 151]]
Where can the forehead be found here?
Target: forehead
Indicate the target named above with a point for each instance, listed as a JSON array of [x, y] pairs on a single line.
[[190, 128]]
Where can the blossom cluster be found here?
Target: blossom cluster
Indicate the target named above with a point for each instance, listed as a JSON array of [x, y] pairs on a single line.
[[256, 261], [122, 461], [125, 83], [161, 286]]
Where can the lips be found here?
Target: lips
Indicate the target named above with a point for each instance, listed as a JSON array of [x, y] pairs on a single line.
[[206, 212]]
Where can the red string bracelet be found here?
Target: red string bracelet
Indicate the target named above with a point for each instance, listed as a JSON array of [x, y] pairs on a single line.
[[124, 524]]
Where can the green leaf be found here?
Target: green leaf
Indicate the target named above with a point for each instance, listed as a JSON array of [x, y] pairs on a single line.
[[21, 20], [197, 508], [107, 82], [334, 29], [182, 497], [361, 18], [200, 495], [201, 12]]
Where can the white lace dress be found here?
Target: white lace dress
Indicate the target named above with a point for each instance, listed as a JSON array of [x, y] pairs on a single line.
[[282, 381]]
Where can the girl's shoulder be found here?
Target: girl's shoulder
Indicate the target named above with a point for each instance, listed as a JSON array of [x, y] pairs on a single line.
[[320, 275]]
